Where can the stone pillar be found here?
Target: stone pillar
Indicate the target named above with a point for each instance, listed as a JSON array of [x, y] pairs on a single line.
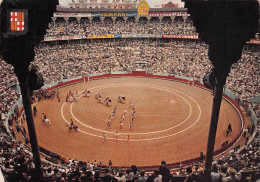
[[173, 18], [102, 19], [138, 17], [114, 19], [53, 19], [78, 19], [184, 18], [66, 19]]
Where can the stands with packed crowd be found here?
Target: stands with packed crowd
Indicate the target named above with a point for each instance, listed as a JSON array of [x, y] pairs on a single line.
[[131, 25]]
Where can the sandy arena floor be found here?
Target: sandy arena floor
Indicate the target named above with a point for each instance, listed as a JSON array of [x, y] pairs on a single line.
[[171, 122]]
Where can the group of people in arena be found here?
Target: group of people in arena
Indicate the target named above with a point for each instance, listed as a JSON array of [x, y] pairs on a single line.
[[72, 97], [123, 116]]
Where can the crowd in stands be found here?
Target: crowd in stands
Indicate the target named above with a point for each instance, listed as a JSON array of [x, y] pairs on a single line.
[[186, 58], [59, 62], [120, 26], [17, 165], [8, 94], [244, 78]]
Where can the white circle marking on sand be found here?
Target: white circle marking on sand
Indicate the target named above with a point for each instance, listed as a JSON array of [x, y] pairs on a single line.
[[105, 131], [149, 139]]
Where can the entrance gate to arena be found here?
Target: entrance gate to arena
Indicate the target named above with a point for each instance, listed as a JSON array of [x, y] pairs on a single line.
[[140, 65]]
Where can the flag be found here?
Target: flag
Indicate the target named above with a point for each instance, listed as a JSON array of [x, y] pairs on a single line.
[[16, 21]]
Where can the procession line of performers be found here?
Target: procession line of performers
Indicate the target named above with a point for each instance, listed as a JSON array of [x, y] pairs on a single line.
[[116, 136], [72, 97], [123, 116]]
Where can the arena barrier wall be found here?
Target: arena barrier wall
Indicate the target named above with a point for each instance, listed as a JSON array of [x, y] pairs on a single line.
[[226, 95], [255, 99]]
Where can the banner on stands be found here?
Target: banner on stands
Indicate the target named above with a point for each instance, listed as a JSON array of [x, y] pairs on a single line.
[[95, 14], [141, 35], [118, 36], [72, 14], [156, 35], [181, 36], [118, 14], [49, 38], [129, 35], [62, 38], [100, 36], [169, 14]]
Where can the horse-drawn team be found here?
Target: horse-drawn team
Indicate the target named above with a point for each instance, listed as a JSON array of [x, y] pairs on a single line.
[[108, 101]]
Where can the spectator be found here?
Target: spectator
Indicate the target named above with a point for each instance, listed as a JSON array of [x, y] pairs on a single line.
[[134, 171], [158, 177], [233, 176], [190, 176], [110, 163], [120, 177], [164, 171], [142, 178], [97, 177], [215, 176], [199, 176]]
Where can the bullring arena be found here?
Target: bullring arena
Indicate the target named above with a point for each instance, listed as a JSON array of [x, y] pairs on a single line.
[[115, 91], [171, 121]]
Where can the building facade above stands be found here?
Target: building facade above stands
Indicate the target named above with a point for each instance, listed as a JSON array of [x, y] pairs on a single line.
[[117, 8], [121, 19], [125, 15]]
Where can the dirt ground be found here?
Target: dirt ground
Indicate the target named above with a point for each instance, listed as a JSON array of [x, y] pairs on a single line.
[[171, 122]]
